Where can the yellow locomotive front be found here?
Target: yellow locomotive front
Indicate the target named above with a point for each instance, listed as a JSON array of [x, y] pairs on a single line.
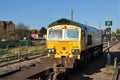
[[72, 44], [63, 40]]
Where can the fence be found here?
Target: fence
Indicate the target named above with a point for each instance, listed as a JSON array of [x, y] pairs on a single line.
[[14, 43]]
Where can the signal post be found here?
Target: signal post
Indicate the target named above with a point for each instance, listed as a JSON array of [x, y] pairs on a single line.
[[108, 35]]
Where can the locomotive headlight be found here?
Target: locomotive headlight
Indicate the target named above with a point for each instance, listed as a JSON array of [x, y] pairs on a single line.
[[75, 51], [51, 51]]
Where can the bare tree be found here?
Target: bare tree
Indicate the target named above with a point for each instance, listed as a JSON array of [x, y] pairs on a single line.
[[22, 31]]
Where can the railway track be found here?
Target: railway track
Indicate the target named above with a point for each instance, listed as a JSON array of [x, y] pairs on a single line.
[[10, 67], [2, 64], [94, 69], [45, 73], [30, 72], [105, 45], [116, 75]]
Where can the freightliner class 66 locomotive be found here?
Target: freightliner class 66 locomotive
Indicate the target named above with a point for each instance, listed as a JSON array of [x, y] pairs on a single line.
[[73, 42]]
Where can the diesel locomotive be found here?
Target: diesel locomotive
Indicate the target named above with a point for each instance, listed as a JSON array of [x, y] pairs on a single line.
[[71, 43]]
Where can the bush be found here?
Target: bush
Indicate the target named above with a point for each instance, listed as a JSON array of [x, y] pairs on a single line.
[[3, 51]]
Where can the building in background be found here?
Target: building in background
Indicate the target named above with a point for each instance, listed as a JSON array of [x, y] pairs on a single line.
[[35, 36], [38, 36], [7, 29]]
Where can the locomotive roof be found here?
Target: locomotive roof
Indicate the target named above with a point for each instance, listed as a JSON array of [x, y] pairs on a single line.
[[70, 22]]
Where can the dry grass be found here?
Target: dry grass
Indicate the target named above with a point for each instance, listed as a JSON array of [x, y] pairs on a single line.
[[25, 49]]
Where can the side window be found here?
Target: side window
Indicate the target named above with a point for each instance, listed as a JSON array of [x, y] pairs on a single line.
[[89, 39], [83, 35]]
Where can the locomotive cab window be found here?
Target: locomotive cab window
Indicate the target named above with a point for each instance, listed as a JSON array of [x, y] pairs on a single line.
[[72, 34], [89, 40], [55, 34]]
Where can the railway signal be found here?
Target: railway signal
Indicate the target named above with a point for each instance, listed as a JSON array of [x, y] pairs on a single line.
[[108, 23], [108, 35]]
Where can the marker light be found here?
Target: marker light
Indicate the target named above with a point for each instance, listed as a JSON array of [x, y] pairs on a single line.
[[51, 51], [75, 51]]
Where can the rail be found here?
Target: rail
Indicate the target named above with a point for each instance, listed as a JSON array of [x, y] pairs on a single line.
[[105, 45], [116, 63], [16, 69], [116, 74], [24, 56], [33, 72]]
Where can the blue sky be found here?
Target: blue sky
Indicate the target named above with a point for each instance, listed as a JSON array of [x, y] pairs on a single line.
[[40, 13]]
